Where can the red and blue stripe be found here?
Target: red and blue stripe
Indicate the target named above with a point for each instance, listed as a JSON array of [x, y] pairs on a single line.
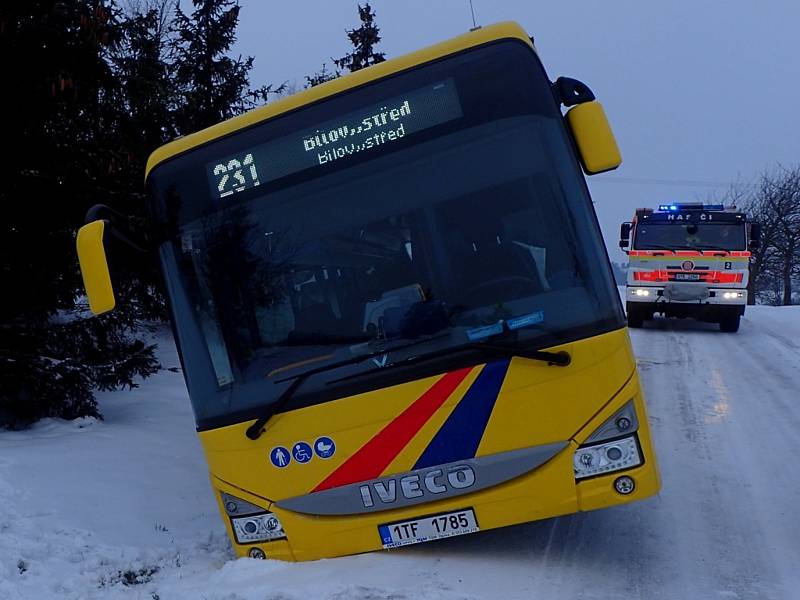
[[457, 439], [461, 433]]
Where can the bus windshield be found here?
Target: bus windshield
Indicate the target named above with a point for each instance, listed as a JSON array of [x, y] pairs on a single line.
[[440, 206], [689, 236]]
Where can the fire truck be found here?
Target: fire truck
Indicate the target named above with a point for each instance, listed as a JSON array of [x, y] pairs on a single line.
[[688, 260]]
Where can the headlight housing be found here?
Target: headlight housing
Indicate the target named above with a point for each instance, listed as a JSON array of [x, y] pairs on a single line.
[[607, 457], [257, 528], [623, 422], [612, 447], [251, 523]]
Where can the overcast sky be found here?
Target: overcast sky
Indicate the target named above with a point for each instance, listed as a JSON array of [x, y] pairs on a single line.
[[699, 92]]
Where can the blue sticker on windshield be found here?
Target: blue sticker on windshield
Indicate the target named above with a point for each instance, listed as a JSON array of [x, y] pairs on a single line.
[[483, 332], [526, 320]]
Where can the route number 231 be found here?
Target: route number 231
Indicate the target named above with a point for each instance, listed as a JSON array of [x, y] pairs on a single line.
[[233, 176]]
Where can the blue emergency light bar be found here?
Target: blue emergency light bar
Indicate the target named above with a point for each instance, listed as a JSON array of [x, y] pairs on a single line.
[[689, 206]]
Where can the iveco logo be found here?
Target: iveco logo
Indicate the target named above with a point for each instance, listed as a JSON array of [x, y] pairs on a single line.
[[687, 265], [432, 482], [420, 486]]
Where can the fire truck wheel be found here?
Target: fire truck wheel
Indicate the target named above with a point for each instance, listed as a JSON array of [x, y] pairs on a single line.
[[729, 324], [635, 315]]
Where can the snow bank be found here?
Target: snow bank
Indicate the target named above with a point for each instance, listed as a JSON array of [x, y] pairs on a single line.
[[122, 508]]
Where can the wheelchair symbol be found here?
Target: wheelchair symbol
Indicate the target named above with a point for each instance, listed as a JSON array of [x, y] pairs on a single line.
[[302, 452]]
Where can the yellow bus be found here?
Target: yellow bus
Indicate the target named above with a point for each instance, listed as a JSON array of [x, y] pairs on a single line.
[[393, 305]]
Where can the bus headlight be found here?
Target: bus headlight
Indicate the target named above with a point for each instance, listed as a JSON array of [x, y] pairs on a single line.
[[606, 457], [257, 528], [251, 523]]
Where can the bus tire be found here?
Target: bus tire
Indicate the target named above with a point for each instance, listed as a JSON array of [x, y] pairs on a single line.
[[635, 315], [729, 324]]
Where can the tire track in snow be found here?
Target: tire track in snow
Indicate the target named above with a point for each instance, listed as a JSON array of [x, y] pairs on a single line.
[[720, 546]]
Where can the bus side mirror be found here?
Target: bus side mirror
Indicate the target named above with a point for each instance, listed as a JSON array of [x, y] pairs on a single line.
[[94, 267], [596, 143], [624, 235], [755, 235]]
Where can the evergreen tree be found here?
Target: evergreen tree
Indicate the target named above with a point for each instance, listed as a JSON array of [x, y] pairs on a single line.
[[214, 86], [62, 160], [141, 63], [364, 39], [145, 107], [321, 76], [94, 93]]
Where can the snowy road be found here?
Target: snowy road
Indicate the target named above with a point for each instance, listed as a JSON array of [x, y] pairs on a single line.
[[122, 508], [726, 415]]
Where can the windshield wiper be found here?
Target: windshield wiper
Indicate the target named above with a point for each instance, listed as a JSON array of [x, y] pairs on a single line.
[[704, 249], [696, 249], [559, 359], [714, 248], [658, 247], [257, 428]]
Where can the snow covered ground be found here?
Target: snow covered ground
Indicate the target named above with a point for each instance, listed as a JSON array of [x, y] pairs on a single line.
[[123, 509]]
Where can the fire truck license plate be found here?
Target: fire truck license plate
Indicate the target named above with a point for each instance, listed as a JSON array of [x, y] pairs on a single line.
[[426, 529], [687, 276]]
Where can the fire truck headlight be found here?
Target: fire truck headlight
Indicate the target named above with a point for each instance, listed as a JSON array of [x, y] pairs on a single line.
[[608, 457], [257, 528], [732, 295], [641, 292]]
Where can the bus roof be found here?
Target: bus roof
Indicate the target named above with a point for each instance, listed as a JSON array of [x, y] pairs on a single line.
[[286, 104]]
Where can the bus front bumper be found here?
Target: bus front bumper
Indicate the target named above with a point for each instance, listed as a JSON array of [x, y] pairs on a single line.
[[548, 491], [656, 295]]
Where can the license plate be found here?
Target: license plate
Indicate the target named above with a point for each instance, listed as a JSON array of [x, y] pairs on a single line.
[[687, 276], [425, 529]]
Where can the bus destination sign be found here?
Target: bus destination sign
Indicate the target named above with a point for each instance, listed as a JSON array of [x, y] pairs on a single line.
[[358, 132]]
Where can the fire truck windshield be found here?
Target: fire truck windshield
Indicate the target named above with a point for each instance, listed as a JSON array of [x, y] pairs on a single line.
[[689, 236]]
